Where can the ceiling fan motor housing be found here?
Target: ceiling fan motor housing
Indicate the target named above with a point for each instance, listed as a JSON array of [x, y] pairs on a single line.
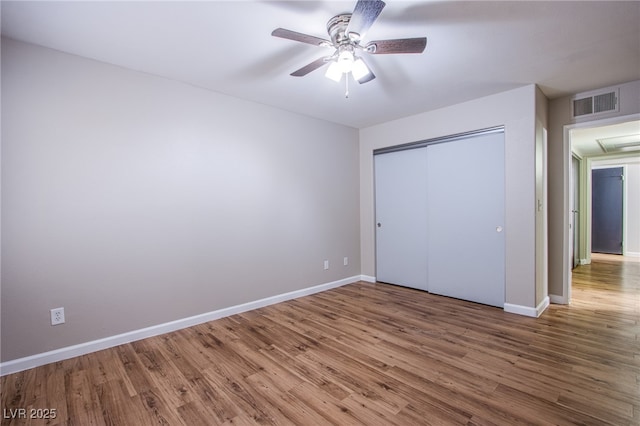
[[337, 29]]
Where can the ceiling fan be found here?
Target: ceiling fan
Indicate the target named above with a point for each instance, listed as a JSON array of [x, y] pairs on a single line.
[[347, 31]]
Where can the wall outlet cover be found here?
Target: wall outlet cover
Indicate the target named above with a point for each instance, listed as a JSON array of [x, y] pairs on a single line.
[[57, 316]]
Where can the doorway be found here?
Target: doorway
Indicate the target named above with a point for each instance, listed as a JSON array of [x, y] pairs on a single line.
[[598, 151]]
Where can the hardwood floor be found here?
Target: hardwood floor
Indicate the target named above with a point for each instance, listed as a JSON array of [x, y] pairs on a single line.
[[370, 354]]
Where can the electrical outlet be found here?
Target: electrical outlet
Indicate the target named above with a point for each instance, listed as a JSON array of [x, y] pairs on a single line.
[[57, 316], [345, 261], [326, 264]]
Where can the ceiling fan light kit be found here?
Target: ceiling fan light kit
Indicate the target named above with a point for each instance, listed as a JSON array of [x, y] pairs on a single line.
[[346, 32], [347, 62]]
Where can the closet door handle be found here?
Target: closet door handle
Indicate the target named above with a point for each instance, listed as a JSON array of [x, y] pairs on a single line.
[[379, 225]]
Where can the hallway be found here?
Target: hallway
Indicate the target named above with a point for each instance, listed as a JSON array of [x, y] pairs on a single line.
[[610, 283]]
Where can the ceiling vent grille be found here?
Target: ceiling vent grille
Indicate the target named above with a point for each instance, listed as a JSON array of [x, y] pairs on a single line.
[[596, 103], [624, 143], [583, 106]]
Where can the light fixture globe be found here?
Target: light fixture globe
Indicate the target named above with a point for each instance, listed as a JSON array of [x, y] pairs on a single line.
[[360, 70], [334, 72], [346, 59]]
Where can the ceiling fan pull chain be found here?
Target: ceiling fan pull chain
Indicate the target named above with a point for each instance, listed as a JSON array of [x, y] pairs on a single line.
[[346, 85]]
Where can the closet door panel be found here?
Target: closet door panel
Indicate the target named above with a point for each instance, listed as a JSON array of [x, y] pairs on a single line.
[[401, 217], [465, 211]]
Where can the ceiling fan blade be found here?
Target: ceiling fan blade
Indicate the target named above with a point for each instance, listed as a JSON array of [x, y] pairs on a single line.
[[311, 67], [402, 45], [364, 15], [303, 38]]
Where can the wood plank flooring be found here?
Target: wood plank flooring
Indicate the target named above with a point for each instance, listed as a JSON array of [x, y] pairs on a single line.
[[370, 354]]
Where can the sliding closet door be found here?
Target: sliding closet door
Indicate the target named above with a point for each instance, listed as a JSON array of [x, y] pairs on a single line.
[[401, 217], [466, 218]]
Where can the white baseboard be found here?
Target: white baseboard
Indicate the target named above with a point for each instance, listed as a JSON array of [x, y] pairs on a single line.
[[526, 310], [632, 254], [558, 300], [56, 355], [368, 278]]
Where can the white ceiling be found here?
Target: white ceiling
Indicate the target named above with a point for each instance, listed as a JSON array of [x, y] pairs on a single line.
[[589, 142], [474, 48]]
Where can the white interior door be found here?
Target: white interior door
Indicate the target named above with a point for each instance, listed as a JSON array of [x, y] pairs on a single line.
[[465, 192], [401, 217]]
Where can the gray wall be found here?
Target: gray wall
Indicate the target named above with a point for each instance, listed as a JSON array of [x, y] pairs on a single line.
[[558, 174], [132, 200], [516, 110]]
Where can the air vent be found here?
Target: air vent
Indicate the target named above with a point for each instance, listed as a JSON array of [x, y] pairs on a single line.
[[595, 103], [583, 106]]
